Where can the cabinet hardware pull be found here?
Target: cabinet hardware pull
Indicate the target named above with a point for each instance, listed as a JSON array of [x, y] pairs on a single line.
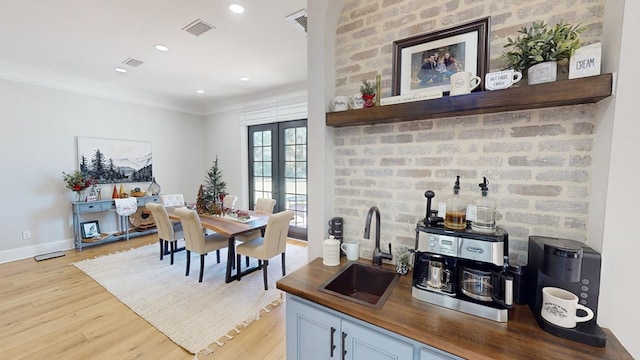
[[333, 346], [344, 345]]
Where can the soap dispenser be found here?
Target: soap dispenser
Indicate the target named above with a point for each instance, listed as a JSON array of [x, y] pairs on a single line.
[[485, 211], [331, 252], [455, 214]]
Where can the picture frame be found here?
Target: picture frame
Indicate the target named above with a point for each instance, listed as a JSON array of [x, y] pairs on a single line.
[[115, 161], [90, 229], [413, 68]]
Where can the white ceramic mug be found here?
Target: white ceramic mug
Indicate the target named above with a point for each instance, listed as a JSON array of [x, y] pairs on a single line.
[[351, 249], [356, 101], [463, 83], [501, 79], [559, 307], [339, 103]]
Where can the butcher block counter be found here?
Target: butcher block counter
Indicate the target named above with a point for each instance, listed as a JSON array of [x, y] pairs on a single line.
[[451, 331]]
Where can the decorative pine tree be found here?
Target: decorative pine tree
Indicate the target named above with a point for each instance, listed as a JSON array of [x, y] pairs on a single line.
[[214, 186], [201, 204]]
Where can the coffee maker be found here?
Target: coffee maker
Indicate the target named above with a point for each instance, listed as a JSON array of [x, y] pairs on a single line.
[[569, 265], [461, 269]]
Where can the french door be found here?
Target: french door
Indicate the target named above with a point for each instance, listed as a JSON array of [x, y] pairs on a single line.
[[278, 169]]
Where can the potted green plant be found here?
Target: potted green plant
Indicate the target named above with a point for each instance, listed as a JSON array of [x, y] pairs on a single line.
[[539, 48], [402, 263], [368, 91]]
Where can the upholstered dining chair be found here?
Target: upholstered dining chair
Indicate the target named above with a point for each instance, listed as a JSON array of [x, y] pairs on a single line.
[[169, 232], [172, 200], [263, 206], [229, 201], [195, 239], [264, 248], [126, 207]]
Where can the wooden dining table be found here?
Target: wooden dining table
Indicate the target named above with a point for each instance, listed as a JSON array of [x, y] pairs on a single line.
[[229, 228]]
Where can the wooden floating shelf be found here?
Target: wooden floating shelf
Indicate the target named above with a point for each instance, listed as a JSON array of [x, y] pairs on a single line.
[[559, 93]]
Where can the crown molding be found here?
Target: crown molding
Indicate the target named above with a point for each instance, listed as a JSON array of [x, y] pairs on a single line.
[[44, 78]]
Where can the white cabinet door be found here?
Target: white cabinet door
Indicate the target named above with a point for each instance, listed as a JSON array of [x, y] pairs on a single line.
[[311, 333], [363, 343], [429, 353]]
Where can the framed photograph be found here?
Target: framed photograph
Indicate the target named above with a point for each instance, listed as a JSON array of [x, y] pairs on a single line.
[[90, 229], [425, 62]]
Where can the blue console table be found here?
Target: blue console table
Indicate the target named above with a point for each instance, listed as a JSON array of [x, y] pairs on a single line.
[[80, 208]]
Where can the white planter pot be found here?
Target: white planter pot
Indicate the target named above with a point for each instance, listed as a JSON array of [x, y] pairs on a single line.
[[542, 73]]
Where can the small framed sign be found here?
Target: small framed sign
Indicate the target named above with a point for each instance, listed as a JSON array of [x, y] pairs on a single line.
[[90, 229], [586, 61]]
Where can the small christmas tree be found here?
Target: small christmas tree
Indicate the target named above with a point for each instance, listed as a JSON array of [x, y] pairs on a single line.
[[214, 186], [201, 204]]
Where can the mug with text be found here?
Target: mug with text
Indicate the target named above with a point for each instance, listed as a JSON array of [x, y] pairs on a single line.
[[356, 101], [560, 307], [339, 103], [351, 249], [501, 79], [463, 83]]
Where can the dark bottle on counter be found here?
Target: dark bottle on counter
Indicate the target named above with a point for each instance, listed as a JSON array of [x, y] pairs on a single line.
[[456, 212]]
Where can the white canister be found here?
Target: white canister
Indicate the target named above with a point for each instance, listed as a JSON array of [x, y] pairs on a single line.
[[331, 252]]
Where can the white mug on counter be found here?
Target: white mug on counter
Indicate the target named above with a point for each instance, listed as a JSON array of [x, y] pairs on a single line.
[[339, 103], [463, 83], [559, 307], [351, 249]]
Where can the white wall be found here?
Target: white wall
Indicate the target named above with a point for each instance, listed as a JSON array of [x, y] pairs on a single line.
[[619, 291], [37, 143]]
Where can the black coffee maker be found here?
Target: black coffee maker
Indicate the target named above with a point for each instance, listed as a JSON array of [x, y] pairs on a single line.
[[569, 265]]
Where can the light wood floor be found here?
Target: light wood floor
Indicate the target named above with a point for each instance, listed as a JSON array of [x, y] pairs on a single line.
[[51, 310]]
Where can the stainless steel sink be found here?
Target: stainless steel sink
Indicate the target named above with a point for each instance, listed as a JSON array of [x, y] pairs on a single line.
[[362, 284]]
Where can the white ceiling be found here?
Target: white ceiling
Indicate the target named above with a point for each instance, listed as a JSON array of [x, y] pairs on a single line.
[[75, 44]]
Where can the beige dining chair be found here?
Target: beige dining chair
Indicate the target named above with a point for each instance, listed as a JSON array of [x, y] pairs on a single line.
[[264, 248], [195, 239], [169, 232], [263, 206], [172, 200], [229, 201]]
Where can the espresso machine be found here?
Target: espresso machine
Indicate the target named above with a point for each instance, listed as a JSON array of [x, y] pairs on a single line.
[[461, 269], [569, 265]]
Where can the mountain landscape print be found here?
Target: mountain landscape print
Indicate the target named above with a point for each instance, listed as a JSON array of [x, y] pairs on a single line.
[[111, 161]]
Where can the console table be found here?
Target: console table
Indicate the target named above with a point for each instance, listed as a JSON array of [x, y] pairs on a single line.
[[80, 208]]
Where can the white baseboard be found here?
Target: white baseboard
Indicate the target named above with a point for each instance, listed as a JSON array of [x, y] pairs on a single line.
[[33, 250]]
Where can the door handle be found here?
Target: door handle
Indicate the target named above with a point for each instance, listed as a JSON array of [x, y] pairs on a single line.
[[344, 345], [333, 346]]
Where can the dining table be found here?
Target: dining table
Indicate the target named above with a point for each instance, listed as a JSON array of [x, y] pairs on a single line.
[[229, 227]]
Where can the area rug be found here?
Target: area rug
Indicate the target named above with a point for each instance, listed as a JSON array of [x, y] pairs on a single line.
[[193, 315]]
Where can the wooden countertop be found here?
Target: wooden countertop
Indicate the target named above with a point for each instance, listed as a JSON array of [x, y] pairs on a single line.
[[460, 334]]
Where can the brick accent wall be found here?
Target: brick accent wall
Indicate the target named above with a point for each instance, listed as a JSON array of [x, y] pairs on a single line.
[[538, 162]]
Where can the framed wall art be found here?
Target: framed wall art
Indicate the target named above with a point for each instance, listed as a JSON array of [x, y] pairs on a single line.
[[90, 229], [425, 62], [115, 161]]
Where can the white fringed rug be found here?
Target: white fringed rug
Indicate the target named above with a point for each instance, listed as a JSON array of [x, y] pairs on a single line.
[[193, 315]]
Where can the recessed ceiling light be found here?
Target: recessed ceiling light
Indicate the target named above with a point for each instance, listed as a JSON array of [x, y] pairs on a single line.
[[162, 48], [244, 78], [120, 69], [236, 8], [200, 91]]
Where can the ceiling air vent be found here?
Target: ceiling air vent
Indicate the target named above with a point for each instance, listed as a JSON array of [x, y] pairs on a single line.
[[299, 20], [198, 27], [132, 62]]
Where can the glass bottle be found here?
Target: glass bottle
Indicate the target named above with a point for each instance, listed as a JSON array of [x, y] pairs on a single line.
[[456, 212], [154, 188], [485, 220]]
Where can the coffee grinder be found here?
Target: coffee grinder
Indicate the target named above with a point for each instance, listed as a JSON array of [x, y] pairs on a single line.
[[569, 265]]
